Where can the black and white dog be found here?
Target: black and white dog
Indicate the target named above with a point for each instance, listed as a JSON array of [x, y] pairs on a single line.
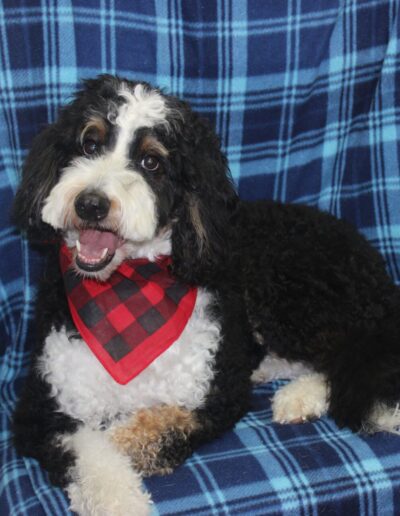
[[127, 175]]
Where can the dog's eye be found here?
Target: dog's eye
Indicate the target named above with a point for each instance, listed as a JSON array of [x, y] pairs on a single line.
[[89, 146], [150, 163]]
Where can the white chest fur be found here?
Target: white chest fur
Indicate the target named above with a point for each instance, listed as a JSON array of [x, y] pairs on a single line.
[[180, 376]]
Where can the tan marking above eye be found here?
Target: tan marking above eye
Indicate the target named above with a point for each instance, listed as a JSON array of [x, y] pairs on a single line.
[[95, 128], [151, 146]]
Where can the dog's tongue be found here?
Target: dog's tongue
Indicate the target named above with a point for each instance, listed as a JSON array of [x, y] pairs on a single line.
[[93, 242]]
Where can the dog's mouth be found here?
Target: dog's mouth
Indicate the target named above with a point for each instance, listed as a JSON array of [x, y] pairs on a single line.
[[95, 248]]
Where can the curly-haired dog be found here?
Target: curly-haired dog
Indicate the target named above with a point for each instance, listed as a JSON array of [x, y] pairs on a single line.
[[184, 296]]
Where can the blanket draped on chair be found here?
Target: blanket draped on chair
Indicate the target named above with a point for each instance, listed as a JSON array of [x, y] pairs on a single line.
[[305, 95]]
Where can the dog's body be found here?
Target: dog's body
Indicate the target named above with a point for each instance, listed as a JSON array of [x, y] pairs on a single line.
[[128, 166]]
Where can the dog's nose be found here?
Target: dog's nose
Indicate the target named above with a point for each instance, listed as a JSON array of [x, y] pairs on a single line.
[[92, 206]]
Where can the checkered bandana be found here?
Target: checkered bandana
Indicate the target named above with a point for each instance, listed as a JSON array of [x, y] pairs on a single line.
[[133, 317]]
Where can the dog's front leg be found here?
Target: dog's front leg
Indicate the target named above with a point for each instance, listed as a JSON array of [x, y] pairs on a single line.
[[37, 425], [103, 480]]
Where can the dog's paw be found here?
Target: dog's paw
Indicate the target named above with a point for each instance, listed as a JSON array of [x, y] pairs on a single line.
[[301, 400], [115, 503], [104, 482]]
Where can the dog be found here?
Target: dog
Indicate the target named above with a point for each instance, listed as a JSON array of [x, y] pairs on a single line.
[[129, 190]]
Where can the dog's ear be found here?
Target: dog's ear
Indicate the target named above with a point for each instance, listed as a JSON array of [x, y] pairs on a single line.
[[39, 175], [200, 233]]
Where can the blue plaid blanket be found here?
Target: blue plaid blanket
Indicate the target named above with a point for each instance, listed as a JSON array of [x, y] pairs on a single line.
[[306, 97]]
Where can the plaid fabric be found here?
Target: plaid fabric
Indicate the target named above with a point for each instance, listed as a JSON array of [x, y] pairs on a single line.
[[305, 95], [133, 317], [269, 469]]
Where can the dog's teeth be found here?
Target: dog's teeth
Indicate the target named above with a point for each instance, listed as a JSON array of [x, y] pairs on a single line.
[[104, 253], [78, 246]]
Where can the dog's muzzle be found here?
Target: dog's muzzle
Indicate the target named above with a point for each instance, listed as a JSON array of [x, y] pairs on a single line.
[[96, 245]]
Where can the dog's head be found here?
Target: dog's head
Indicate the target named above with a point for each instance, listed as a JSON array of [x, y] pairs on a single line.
[[124, 170]]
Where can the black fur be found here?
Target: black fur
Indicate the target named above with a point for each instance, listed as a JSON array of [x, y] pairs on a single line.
[[205, 187], [319, 293], [37, 423], [307, 284]]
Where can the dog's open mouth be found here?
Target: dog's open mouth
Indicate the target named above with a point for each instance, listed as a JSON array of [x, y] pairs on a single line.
[[96, 248]]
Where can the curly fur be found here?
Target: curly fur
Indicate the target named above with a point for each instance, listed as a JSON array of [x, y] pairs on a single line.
[[322, 296], [283, 281]]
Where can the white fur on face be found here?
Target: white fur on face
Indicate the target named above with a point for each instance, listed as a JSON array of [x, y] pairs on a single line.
[[142, 109], [133, 214]]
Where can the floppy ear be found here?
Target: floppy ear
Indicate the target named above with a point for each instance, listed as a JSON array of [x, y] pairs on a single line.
[[39, 175], [200, 234], [50, 153]]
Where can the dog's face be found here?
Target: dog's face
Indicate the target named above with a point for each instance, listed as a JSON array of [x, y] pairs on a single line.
[[124, 166], [116, 191]]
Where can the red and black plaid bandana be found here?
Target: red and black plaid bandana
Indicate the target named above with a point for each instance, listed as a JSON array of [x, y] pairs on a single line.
[[133, 317]]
